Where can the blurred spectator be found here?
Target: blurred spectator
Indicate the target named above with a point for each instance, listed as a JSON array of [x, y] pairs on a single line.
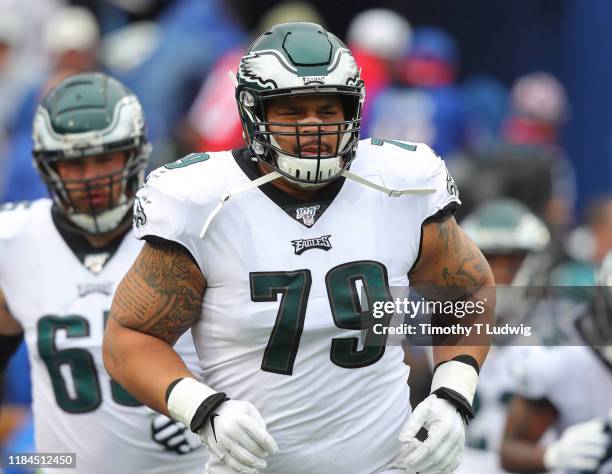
[[423, 104], [486, 100], [21, 63], [172, 60], [527, 162], [29, 18], [432, 60], [539, 108], [71, 38], [213, 123], [377, 38]]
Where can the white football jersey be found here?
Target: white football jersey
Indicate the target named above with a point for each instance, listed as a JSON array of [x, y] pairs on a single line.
[[484, 432], [574, 379], [280, 324], [63, 305]]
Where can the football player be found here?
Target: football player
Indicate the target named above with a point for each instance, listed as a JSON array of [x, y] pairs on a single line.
[[513, 240], [61, 260], [263, 252], [566, 389]]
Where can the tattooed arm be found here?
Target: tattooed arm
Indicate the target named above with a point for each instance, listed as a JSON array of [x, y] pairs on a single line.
[[158, 300], [450, 266]]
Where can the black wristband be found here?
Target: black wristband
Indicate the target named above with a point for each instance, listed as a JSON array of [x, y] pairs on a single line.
[[459, 401], [205, 410]]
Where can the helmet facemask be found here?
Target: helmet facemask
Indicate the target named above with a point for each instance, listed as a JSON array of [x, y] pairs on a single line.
[[120, 187], [322, 162]]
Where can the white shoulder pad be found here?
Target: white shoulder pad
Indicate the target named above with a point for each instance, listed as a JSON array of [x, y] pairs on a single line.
[[14, 219], [177, 198], [537, 371], [401, 164]]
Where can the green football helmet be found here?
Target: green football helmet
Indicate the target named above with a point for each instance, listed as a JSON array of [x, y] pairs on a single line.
[[88, 115], [292, 60], [505, 226]]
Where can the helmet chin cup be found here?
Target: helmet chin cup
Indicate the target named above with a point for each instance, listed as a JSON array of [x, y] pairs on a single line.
[[102, 223], [308, 172]]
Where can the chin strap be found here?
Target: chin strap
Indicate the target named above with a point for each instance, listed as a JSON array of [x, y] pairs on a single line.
[[275, 174], [266, 178], [389, 192]]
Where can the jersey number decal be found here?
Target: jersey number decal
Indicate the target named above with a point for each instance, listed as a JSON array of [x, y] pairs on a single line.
[[73, 372], [346, 308], [382, 141], [187, 160]]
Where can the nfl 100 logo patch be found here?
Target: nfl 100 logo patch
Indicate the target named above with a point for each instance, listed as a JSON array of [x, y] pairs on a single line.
[[307, 214]]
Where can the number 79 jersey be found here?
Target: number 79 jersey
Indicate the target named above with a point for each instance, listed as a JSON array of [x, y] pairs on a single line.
[[63, 308], [281, 316]]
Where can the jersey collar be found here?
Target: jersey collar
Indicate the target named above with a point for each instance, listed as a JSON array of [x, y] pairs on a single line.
[[306, 213]]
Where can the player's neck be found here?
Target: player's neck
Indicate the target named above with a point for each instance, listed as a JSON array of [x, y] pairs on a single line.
[[99, 241], [286, 187]]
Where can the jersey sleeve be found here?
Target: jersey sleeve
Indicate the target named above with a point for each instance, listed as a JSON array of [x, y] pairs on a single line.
[[445, 200], [538, 372], [155, 213], [176, 200], [14, 219], [402, 165], [162, 210]]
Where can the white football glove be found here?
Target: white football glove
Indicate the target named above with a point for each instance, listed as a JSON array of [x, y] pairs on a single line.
[[235, 432], [581, 447], [173, 436], [441, 451]]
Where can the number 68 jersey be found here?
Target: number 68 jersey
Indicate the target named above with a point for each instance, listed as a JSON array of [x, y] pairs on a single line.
[[63, 304], [281, 316]]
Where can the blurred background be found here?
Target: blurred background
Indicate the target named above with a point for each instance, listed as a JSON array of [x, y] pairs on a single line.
[[515, 96]]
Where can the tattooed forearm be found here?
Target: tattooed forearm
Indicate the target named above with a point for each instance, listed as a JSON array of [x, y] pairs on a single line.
[[162, 293]]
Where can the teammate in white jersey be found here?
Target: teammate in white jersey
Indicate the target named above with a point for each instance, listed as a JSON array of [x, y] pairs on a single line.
[[60, 263], [513, 240], [264, 253], [568, 389]]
